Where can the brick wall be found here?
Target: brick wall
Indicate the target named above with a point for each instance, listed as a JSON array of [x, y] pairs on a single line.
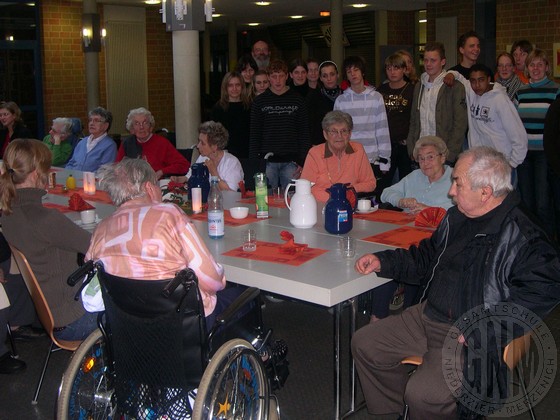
[[401, 28], [540, 24], [535, 20], [64, 80], [64, 85], [160, 70]]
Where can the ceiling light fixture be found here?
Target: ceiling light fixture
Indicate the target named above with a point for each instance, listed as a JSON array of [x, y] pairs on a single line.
[[254, 24], [216, 15], [324, 13], [422, 20], [263, 3], [150, 2], [296, 17], [359, 5]]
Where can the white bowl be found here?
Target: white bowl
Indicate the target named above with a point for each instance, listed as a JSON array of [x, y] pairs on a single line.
[[239, 212]]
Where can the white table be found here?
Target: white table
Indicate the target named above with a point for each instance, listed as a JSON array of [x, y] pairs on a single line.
[[328, 280]]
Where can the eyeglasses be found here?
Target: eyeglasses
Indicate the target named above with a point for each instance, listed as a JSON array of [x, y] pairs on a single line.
[[343, 133], [141, 123], [428, 158]]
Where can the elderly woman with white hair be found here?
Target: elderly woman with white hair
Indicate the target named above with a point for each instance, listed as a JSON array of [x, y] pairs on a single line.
[[427, 186], [59, 141], [212, 143], [153, 148]]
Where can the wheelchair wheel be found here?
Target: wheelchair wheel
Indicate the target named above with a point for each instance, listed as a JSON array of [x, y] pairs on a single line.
[[234, 385], [85, 392]]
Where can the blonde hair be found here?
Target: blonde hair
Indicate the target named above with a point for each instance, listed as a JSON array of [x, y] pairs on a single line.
[[22, 157]]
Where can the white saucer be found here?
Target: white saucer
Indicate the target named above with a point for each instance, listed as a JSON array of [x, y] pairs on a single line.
[[374, 208], [86, 225]]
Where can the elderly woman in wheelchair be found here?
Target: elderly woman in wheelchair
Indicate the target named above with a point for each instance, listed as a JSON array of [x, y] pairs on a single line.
[[167, 311]]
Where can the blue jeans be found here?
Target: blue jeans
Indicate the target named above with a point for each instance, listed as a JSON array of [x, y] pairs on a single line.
[[280, 173], [80, 329], [533, 185]]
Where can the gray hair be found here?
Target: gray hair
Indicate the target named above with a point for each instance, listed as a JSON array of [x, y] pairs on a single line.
[[434, 141], [103, 113], [126, 179], [489, 168], [139, 111], [216, 132], [65, 123], [337, 117]]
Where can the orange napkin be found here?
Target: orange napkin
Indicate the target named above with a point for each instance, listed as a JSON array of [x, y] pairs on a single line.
[[430, 217], [290, 247], [77, 203]]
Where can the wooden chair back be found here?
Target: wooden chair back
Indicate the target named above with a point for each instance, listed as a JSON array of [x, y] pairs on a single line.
[[516, 350], [39, 301]]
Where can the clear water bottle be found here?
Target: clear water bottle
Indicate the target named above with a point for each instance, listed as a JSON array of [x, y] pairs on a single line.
[[215, 210]]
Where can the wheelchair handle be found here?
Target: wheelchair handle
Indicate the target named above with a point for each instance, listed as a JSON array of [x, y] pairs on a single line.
[[184, 276], [80, 273]]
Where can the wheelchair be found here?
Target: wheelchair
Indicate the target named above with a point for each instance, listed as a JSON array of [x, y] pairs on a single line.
[[152, 358]]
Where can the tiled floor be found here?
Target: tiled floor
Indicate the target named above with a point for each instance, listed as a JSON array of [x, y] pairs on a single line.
[[308, 393]]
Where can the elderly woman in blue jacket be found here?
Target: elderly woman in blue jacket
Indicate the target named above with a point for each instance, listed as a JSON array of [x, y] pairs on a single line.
[[427, 186], [98, 148]]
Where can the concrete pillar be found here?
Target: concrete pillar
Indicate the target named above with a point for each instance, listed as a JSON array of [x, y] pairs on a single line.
[[337, 49], [186, 79], [232, 44], [91, 60], [206, 57]]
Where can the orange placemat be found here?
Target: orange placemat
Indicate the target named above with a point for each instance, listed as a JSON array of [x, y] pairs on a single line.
[[59, 207], [99, 196], [271, 202], [402, 237], [387, 216], [272, 252], [229, 221]]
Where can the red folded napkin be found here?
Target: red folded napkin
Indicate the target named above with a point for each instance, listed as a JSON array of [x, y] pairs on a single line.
[[176, 187], [77, 203], [244, 192], [290, 247], [430, 217]]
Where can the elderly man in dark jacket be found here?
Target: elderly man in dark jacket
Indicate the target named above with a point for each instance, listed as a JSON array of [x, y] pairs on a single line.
[[485, 253]]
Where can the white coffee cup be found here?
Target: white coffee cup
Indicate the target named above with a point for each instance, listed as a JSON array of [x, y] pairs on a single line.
[[364, 204], [87, 216]]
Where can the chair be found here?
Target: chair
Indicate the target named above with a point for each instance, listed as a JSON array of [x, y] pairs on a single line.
[[159, 348], [43, 312], [513, 353], [76, 132], [188, 153]]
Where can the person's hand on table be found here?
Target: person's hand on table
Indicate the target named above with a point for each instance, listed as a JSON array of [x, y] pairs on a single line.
[[178, 179], [412, 205], [367, 264]]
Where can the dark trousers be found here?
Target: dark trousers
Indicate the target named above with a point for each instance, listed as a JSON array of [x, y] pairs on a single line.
[[533, 185], [378, 349]]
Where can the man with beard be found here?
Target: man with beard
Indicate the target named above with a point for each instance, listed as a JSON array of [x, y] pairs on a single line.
[[261, 54]]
